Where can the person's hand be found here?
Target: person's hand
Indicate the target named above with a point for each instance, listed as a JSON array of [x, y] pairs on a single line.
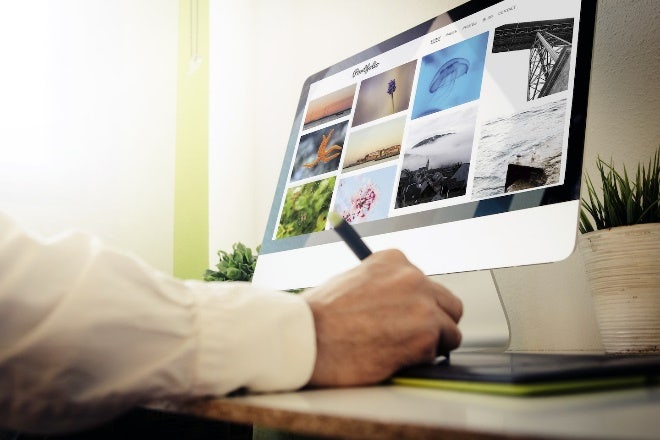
[[379, 317]]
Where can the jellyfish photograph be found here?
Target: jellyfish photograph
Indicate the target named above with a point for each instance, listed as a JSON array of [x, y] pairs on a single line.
[[446, 76], [451, 76]]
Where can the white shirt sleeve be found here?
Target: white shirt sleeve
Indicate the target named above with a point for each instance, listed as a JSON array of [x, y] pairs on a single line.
[[87, 332]]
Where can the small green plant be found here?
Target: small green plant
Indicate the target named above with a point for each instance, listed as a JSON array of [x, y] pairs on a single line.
[[624, 201], [237, 265]]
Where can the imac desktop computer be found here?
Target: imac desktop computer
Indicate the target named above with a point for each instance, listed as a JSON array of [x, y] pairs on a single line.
[[459, 142]]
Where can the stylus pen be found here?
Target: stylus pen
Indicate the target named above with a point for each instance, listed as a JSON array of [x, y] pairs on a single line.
[[359, 248], [349, 235]]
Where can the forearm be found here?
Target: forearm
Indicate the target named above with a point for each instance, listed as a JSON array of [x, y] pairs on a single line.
[[86, 332]]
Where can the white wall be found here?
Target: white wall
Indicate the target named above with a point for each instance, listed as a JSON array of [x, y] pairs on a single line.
[[624, 98], [233, 126], [87, 119]]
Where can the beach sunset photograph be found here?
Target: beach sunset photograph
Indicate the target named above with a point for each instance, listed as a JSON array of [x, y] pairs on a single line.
[[330, 107]]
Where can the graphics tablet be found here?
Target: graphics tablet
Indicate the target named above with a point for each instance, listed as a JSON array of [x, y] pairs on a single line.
[[532, 373]]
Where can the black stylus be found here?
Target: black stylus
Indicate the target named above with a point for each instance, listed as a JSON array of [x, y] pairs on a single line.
[[349, 235]]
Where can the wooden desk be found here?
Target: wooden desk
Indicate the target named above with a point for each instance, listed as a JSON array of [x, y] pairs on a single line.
[[397, 412]]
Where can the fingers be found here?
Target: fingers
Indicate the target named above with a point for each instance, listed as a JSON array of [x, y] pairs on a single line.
[[450, 307], [449, 312], [449, 337], [448, 302]]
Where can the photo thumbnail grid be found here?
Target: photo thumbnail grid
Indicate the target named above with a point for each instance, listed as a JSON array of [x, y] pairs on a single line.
[[420, 135]]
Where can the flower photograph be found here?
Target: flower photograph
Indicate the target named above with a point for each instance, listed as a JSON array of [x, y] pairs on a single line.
[[365, 197], [384, 94]]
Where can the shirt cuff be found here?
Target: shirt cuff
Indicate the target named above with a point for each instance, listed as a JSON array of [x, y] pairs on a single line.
[[255, 339]]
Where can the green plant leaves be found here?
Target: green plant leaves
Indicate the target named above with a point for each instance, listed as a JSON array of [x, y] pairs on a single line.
[[235, 266], [624, 201]]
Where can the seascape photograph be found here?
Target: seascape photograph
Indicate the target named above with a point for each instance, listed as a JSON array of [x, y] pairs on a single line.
[[374, 144], [451, 76], [436, 162], [384, 94], [520, 151], [319, 152]]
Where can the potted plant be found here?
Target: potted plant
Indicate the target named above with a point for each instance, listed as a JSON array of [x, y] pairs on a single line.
[[620, 244], [237, 265]]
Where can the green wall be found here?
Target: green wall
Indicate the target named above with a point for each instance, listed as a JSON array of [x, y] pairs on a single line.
[[191, 212]]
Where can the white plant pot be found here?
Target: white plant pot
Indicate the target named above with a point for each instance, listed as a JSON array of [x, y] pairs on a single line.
[[623, 269]]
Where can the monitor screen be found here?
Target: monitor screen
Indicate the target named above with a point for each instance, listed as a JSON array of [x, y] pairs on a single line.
[[458, 141]]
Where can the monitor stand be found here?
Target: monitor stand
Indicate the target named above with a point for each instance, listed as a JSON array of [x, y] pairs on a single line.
[[548, 308]]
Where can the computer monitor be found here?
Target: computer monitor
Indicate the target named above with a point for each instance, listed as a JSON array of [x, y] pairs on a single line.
[[458, 141]]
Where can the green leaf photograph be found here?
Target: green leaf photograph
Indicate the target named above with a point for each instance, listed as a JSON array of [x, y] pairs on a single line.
[[306, 208]]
